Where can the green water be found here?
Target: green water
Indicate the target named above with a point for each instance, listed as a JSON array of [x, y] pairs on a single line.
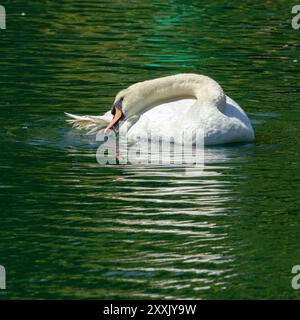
[[70, 228]]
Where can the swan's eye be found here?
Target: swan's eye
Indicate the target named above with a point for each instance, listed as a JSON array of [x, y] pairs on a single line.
[[117, 105]]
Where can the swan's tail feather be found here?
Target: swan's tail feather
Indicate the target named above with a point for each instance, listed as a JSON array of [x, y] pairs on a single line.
[[91, 123]]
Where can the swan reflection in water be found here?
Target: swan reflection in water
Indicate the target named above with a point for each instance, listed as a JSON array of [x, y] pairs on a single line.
[[174, 226]]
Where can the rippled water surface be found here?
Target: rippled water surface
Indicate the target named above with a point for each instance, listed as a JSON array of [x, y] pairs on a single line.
[[71, 228]]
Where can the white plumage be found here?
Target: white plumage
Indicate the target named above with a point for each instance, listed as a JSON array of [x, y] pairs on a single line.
[[165, 107]]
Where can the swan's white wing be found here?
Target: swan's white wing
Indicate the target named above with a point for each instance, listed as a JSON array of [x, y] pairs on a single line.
[[165, 120], [91, 123], [171, 119], [229, 126]]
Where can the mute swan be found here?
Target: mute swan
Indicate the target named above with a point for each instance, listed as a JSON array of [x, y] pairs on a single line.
[[168, 106]]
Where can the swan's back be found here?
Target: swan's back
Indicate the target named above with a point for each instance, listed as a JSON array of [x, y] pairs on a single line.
[[170, 119]]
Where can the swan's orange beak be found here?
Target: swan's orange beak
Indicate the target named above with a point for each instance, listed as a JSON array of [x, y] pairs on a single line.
[[117, 116]]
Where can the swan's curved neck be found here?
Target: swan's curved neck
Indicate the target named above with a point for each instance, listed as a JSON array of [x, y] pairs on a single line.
[[148, 94]]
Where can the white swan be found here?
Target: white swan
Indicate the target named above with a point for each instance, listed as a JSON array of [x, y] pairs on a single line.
[[168, 106]]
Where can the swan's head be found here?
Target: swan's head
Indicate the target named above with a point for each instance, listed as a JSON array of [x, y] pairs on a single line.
[[127, 103]]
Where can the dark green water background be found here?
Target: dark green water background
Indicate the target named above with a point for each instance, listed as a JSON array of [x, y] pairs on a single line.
[[70, 228]]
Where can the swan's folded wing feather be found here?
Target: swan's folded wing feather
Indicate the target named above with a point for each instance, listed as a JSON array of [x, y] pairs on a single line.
[[91, 123]]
